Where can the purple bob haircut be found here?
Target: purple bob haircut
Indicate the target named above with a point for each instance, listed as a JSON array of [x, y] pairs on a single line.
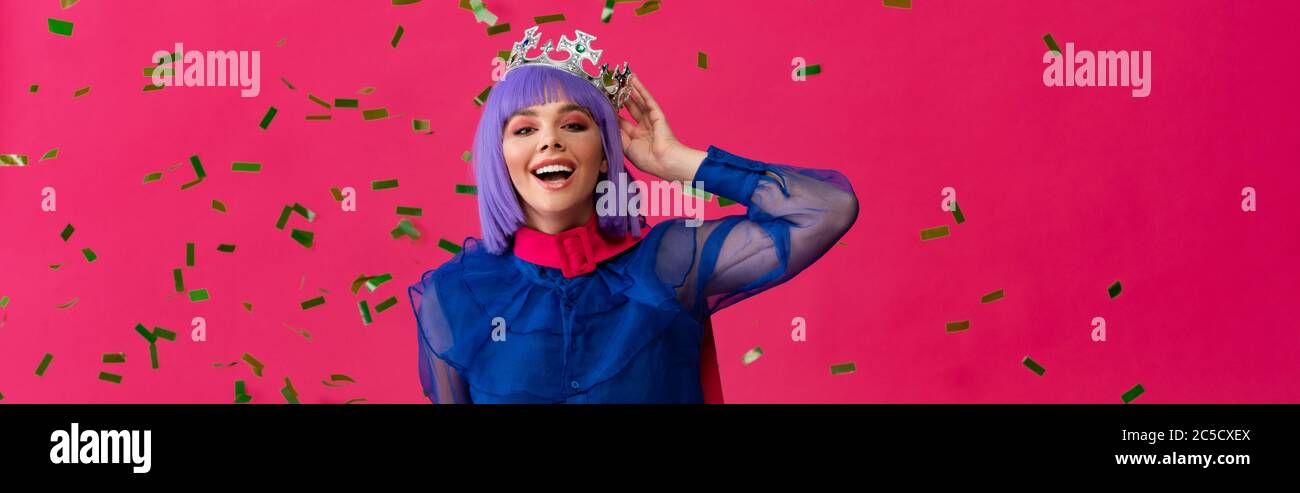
[[500, 214]]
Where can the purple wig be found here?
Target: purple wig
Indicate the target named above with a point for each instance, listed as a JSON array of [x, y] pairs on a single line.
[[500, 214]]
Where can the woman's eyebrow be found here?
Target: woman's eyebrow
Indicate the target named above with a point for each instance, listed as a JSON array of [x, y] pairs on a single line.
[[563, 109]]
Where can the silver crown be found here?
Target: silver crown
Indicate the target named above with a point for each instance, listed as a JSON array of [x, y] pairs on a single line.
[[614, 84]]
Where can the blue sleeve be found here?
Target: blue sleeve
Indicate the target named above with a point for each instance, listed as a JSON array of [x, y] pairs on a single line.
[[793, 216]]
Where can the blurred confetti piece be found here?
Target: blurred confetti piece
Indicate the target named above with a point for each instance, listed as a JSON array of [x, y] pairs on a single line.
[[449, 246], [241, 395], [901, 4], [290, 395], [751, 355], [482, 96], [957, 214], [55, 266], [1033, 366], [543, 19], [218, 205], [410, 211], [303, 238], [45, 363], [114, 358], [1133, 393], [178, 280], [466, 189], [246, 167], [319, 117], [153, 356], [338, 194], [1114, 289], [226, 248], [148, 336], [109, 377], [345, 103], [418, 125], [405, 227], [50, 155], [304, 212], [405, 2], [266, 120], [991, 297], [373, 283], [349, 401], [287, 84], [383, 184], [302, 332], [810, 70], [253, 362], [13, 160], [199, 174], [932, 233], [69, 304], [89, 254], [284, 217], [466, 156], [843, 368], [397, 36], [60, 27], [1051, 43], [648, 7], [337, 378], [153, 177], [189, 254], [34, 88], [151, 87], [162, 333], [314, 302], [365, 90], [4, 301], [375, 114], [702, 60], [317, 100], [481, 13], [67, 232], [227, 365], [199, 295], [365, 312], [386, 304], [608, 12], [356, 284], [63, 4], [81, 92], [958, 326], [248, 306]]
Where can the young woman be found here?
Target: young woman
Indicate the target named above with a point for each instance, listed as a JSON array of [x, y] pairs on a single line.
[[559, 304]]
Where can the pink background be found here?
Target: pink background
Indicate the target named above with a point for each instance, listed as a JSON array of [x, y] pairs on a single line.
[[1065, 190]]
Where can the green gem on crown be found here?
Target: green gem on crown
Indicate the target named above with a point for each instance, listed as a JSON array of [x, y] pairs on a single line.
[[581, 48]]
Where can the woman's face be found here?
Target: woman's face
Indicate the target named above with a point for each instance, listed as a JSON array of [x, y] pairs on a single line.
[[554, 155]]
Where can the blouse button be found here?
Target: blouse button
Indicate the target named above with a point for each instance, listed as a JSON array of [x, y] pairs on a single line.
[[574, 384]]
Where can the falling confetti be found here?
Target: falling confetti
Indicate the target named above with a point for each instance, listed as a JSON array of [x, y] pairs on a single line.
[[148, 336], [319, 101], [89, 254], [383, 185], [114, 358], [246, 167], [1051, 43], [304, 238], [266, 120], [81, 92], [1033, 366], [842, 368], [752, 355], [702, 60], [375, 114], [932, 233], [958, 326], [189, 254], [53, 153], [901, 4], [69, 304], [314, 302], [648, 7], [410, 211], [957, 214], [1133, 393], [199, 295], [199, 174], [337, 378], [466, 189], [218, 205], [543, 19], [67, 232], [482, 96], [253, 362], [109, 377], [386, 304], [449, 246], [345, 103], [397, 36], [365, 312], [226, 248], [60, 27], [45, 363], [288, 392], [991, 297], [241, 395], [373, 283], [810, 70], [1114, 290]]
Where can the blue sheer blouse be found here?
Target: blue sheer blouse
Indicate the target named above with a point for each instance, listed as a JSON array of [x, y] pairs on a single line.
[[630, 331]]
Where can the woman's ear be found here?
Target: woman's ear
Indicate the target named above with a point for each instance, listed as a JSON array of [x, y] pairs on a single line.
[[604, 165]]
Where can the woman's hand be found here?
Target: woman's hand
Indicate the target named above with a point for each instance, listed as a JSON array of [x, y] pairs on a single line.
[[650, 144]]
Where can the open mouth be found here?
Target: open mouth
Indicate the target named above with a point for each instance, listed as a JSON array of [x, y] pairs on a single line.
[[553, 173]]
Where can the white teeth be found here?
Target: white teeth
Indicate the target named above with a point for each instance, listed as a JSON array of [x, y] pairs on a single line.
[[552, 168]]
